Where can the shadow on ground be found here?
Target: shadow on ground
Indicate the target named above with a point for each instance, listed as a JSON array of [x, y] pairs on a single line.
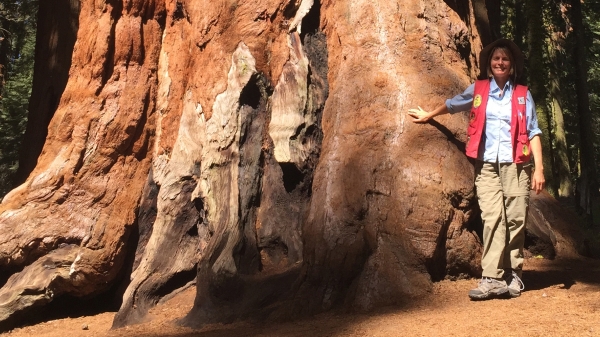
[[563, 273]]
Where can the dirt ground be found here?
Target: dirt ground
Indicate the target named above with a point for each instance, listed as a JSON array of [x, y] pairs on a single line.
[[562, 298]]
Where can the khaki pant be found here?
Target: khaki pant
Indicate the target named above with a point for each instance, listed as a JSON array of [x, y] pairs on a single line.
[[503, 195]]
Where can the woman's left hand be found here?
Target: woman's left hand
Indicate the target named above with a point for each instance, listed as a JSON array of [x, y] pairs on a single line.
[[419, 115], [538, 181]]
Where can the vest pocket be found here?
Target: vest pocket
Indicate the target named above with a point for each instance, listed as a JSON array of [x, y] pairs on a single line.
[[522, 148], [471, 131]]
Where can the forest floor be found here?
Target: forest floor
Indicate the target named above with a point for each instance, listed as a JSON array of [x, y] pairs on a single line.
[[562, 298]]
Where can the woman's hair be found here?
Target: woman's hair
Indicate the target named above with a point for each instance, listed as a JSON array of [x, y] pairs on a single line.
[[506, 50]]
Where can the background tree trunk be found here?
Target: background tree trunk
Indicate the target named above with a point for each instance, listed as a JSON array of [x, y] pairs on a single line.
[[587, 184], [538, 75], [561, 166], [494, 10], [57, 30]]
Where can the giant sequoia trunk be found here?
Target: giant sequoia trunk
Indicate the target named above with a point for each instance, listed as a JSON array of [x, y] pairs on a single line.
[[259, 147]]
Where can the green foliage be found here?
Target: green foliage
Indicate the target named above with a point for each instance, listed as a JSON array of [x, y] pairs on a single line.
[[559, 64], [17, 51]]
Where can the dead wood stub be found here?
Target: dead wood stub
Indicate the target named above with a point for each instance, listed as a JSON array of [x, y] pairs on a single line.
[[181, 235], [274, 199]]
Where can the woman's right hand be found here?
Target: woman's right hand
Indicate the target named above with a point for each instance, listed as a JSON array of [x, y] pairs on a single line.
[[419, 115]]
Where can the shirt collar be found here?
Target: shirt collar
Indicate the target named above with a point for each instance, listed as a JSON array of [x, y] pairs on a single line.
[[494, 86]]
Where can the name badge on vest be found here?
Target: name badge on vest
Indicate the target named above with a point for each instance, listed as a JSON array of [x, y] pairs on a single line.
[[521, 100]]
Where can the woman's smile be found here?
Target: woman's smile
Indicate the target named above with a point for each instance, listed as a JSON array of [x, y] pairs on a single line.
[[500, 65]]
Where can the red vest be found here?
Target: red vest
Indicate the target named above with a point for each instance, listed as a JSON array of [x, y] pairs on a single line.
[[518, 123]]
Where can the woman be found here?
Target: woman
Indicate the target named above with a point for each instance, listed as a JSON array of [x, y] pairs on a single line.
[[502, 135]]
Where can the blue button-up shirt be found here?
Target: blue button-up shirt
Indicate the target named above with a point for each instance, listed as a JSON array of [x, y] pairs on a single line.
[[498, 145]]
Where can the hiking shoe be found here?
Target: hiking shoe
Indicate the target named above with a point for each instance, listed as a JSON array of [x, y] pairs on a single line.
[[488, 288], [515, 285]]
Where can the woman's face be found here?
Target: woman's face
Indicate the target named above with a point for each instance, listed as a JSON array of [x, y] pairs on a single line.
[[500, 65]]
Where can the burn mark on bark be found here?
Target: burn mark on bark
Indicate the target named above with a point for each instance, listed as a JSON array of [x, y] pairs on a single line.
[[137, 132], [290, 9], [276, 252], [80, 160], [180, 13], [31, 252], [274, 15], [141, 128], [312, 21], [7, 271], [146, 216], [161, 18], [315, 47], [436, 264], [193, 231], [288, 185], [226, 289], [199, 206], [463, 46], [292, 176], [175, 282], [486, 31], [251, 95], [254, 115], [538, 246], [461, 8], [184, 215]]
